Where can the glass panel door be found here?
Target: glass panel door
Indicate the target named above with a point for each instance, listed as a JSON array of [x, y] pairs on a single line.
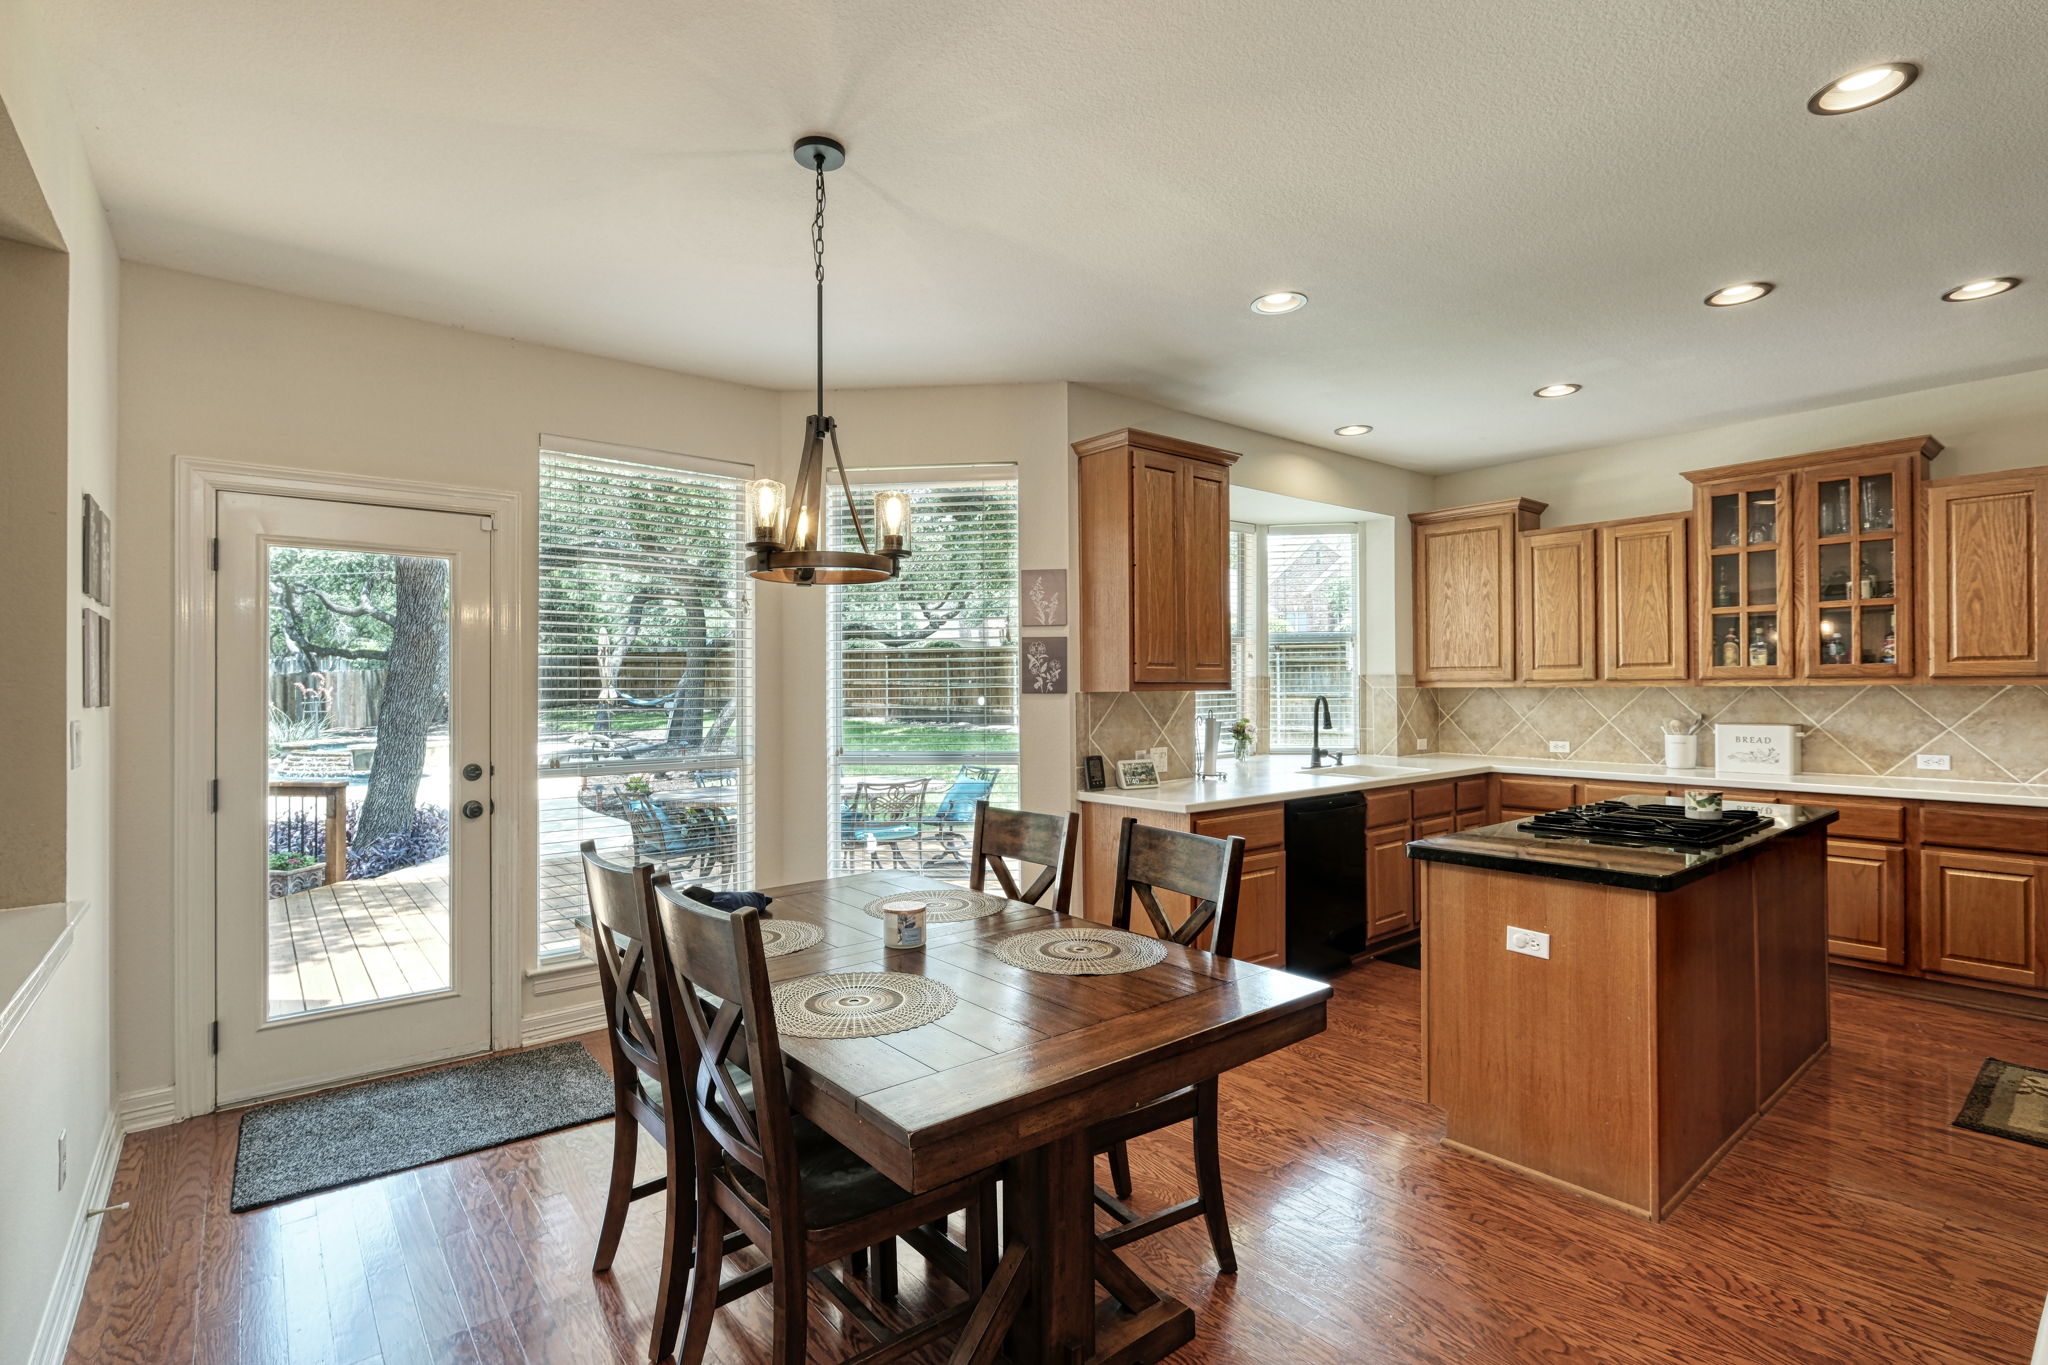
[[352, 859], [1854, 570], [1744, 579]]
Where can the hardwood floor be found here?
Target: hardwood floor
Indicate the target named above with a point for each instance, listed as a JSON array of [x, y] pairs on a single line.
[[1854, 1224]]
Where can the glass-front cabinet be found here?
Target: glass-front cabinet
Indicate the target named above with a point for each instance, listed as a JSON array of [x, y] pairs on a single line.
[[1806, 564], [1746, 565], [1856, 568]]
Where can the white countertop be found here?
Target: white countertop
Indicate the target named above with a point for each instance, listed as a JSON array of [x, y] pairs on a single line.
[[1279, 777]]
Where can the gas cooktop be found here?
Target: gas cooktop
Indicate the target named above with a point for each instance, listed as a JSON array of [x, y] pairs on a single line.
[[1622, 822]]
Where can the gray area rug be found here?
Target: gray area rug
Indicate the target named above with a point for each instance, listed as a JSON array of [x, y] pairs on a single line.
[[2008, 1101], [296, 1147]]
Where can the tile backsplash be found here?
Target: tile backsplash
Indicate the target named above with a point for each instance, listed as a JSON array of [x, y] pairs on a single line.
[[1118, 724], [1990, 733]]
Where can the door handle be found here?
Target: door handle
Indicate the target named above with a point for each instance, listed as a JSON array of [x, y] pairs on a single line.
[[472, 771], [472, 809]]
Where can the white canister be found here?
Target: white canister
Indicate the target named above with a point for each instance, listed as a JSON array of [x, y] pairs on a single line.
[[903, 925], [1681, 751]]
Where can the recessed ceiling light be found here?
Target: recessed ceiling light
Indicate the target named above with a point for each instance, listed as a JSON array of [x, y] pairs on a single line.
[[1286, 301], [1557, 390], [1353, 430], [1739, 293], [1981, 289], [1861, 89]]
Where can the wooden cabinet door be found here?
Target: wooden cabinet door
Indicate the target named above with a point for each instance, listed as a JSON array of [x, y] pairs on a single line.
[[1389, 882], [1645, 609], [1744, 542], [1205, 593], [1157, 615], [1465, 590], [1554, 618], [1473, 819], [1856, 555], [1262, 909], [1867, 902], [1980, 916], [1987, 616]]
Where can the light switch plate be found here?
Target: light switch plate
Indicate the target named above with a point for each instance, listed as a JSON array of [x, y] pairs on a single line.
[[1158, 757], [1528, 941], [77, 744], [1937, 762]]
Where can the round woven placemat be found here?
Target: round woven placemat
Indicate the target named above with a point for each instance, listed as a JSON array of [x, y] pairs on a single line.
[[942, 907], [859, 1004], [1081, 952], [780, 938]]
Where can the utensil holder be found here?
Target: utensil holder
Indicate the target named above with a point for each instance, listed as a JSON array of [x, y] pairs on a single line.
[[1681, 751]]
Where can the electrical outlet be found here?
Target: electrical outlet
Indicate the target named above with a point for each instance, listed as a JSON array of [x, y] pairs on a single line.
[[1158, 757], [1528, 941], [1938, 762], [1560, 746], [63, 1158], [1421, 746]]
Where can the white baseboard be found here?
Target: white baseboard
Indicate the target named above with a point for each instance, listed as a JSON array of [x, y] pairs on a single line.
[[60, 1310], [552, 1025], [156, 1107]]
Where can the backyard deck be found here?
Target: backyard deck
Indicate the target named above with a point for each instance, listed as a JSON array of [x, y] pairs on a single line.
[[355, 943]]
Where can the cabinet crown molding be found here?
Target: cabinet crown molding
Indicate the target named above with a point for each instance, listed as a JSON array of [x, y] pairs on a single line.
[[1152, 440], [1497, 507], [1924, 446]]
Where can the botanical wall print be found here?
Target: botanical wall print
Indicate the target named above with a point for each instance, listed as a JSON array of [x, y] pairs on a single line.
[[106, 633], [90, 643], [103, 549], [1045, 664], [1045, 598]]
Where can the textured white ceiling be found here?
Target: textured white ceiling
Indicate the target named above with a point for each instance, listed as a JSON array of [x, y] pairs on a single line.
[[1479, 196]]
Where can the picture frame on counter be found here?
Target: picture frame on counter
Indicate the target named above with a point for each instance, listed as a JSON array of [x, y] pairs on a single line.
[[1757, 750], [1134, 773]]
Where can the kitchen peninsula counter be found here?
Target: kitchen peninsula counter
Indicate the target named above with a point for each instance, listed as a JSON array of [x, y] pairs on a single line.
[[1679, 993]]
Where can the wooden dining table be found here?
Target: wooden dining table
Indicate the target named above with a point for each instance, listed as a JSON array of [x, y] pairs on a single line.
[[1015, 1075]]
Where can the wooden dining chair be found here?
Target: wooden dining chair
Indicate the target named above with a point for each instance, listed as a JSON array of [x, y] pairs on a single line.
[[1207, 871], [1044, 841], [784, 1184], [645, 1058]]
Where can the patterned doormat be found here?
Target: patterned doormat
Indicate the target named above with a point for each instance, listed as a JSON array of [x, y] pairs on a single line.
[[2008, 1101], [318, 1142]]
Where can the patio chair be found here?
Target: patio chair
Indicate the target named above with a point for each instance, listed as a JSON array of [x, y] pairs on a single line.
[[953, 822], [689, 841], [885, 815]]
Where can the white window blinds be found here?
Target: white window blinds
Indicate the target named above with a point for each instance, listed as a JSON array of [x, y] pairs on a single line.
[[1312, 633], [922, 695], [646, 672]]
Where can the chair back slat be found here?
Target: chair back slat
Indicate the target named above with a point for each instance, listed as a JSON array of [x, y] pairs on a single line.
[[1206, 870], [1044, 841], [711, 974], [619, 899]]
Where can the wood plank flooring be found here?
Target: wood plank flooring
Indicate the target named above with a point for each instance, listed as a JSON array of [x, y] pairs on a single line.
[[1853, 1225]]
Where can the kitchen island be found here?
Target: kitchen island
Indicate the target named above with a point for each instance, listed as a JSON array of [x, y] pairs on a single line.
[[1613, 1017]]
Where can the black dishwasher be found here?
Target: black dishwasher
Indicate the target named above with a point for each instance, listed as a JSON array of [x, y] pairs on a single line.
[[1325, 882]]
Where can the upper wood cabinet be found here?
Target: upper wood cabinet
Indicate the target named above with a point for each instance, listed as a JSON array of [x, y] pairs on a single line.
[[1807, 564], [1465, 590], [1555, 615], [1855, 512], [1743, 520], [1645, 608], [1155, 547], [1987, 613]]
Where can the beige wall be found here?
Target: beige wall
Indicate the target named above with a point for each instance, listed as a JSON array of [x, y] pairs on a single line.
[[39, 619], [1986, 424], [227, 372], [55, 1069]]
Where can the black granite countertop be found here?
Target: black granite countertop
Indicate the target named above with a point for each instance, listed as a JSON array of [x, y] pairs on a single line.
[[1635, 867]]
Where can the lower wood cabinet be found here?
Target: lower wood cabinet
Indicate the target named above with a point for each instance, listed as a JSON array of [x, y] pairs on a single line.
[[1867, 902], [1389, 881], [1980, 916], [1262, 909]]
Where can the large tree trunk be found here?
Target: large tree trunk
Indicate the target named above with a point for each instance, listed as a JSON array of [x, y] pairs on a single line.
[[686, 717], [413, 688]]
